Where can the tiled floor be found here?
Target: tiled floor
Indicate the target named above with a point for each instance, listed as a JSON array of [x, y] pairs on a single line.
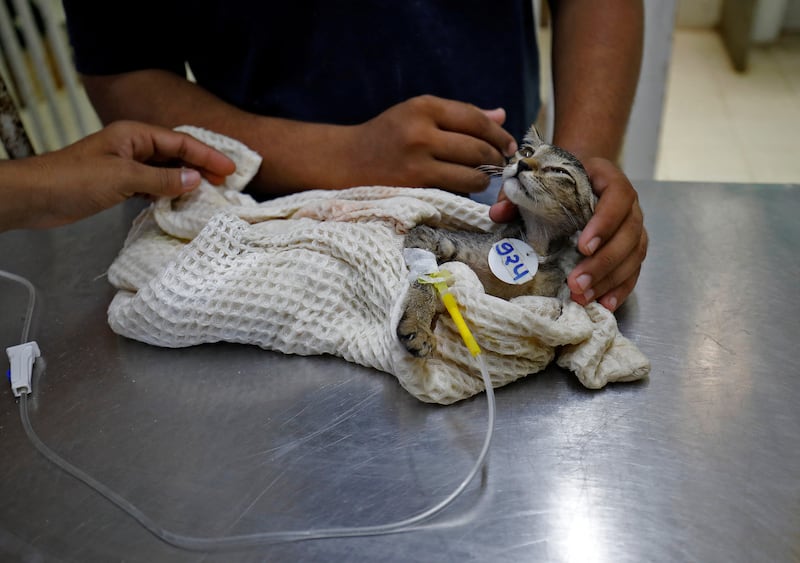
[[720, 125]]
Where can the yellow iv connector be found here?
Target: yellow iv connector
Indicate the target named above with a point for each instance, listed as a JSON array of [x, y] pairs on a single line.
[[452, 307]]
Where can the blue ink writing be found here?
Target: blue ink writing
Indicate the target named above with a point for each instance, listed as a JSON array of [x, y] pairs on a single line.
[[511, 257]]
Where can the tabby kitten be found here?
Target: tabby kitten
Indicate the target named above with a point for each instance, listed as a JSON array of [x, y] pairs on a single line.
[[555, 200]]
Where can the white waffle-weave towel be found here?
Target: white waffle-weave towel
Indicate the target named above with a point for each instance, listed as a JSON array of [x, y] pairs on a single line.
[[322, 272]]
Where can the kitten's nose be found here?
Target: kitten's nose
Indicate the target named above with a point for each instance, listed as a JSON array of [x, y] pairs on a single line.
[[525, 164]]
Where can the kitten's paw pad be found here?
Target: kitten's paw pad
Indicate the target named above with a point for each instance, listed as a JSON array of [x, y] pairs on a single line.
[[419, 343]]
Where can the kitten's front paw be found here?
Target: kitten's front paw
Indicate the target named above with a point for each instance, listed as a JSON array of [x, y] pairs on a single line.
[[419, 341]]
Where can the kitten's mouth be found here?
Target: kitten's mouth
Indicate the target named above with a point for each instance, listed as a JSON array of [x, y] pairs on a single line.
[[512, 189], [514, 182], [509, 172], [522, 194]]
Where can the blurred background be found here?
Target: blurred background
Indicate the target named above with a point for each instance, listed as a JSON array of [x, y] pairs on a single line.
[[732, 101], [718, 99]]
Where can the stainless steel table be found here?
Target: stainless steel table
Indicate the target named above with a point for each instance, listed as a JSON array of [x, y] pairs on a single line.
[[699, 463]]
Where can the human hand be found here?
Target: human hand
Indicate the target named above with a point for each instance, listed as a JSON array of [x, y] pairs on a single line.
[[614, 240], [116, 163], [432, 142]]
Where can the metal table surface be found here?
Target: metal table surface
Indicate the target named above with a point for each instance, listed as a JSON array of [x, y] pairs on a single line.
[[699, 463]]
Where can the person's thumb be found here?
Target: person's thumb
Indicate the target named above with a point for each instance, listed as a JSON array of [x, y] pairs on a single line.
[[190, 179], [169, 182]]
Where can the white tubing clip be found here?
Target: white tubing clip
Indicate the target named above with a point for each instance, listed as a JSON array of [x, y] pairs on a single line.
[[21, 358]]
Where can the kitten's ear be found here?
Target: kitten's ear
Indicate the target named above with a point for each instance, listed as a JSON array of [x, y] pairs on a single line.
[[532, 137]]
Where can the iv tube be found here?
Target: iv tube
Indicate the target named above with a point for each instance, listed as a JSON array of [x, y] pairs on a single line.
[[249, 540]]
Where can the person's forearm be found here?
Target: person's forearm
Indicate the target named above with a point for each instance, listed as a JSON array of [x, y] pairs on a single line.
[[22, 193], [597, 50], [296, 155]]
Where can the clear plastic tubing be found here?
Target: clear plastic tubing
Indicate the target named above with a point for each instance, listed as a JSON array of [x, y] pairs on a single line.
[[224, 543]]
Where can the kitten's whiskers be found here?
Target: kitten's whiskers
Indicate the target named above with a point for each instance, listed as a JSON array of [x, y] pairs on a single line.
[[490, 169]]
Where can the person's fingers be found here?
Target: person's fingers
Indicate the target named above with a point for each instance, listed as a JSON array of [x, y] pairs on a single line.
[[503, 211], [614, 240], [460, 117], [149, 143], [187, 149], [614, 298], [607, 267], [623, 265], [466, 150], [163, 182], [616, 199], [498, 115], [213, 179], [452, 177], [433, 142], [585, 287], [189, 179]]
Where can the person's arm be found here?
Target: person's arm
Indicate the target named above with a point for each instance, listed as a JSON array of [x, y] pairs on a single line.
[[596, 55], [102, 170], [597, 51], [424, 141]]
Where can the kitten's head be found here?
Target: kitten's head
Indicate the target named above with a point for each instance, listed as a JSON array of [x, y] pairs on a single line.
[[550, 186]]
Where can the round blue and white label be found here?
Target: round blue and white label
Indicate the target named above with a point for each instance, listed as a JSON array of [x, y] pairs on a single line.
[[513, 261]]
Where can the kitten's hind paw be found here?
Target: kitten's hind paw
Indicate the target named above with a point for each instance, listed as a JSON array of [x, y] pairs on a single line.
[[419, 343]]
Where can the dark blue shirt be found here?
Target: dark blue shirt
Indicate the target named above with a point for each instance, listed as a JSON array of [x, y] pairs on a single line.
[[321, 60]]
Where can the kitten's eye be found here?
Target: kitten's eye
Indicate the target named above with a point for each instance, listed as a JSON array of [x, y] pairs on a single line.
[[526, 152], [558, 170]]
